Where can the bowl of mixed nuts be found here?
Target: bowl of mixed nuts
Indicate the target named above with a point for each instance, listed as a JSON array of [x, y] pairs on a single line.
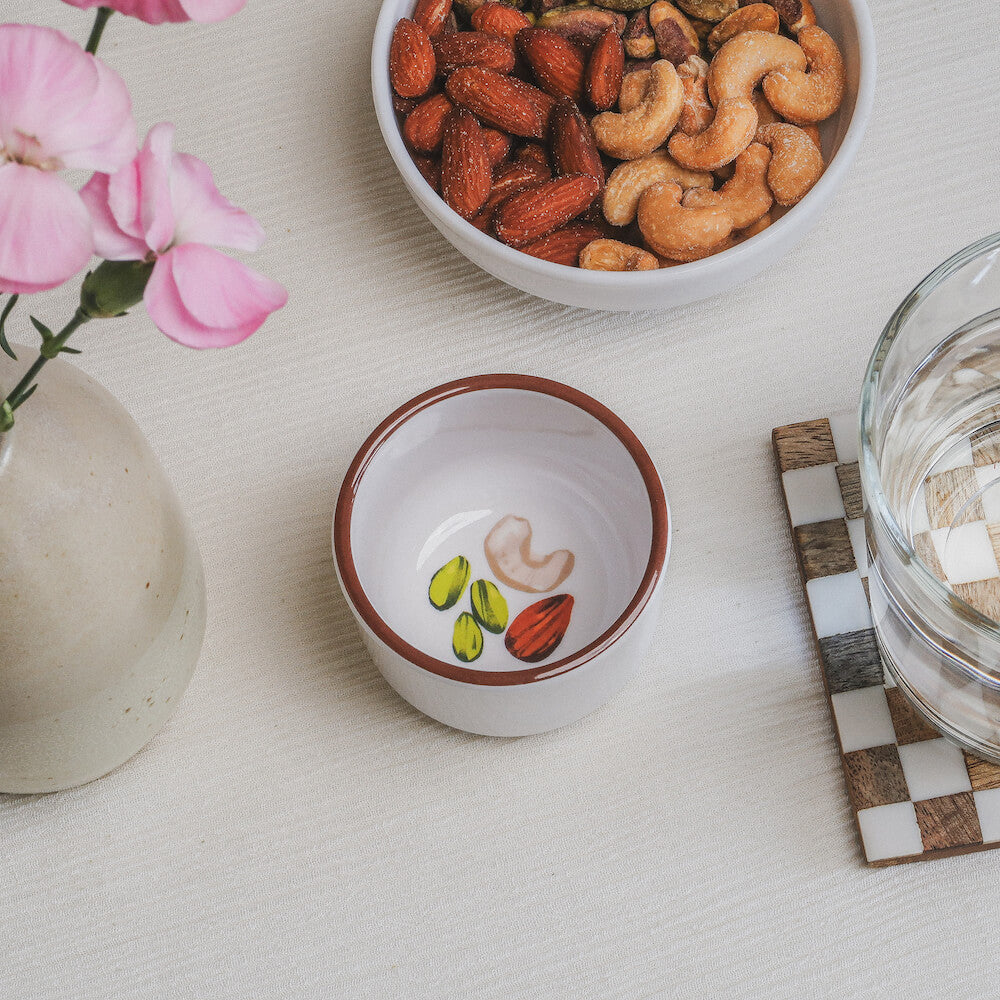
[[501, 541], [628, 154]]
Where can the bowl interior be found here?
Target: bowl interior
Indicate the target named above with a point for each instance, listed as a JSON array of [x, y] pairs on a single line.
[[450, 472]]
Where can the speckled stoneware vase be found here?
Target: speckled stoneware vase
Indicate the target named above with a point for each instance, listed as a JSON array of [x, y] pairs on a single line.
[[102, 596]]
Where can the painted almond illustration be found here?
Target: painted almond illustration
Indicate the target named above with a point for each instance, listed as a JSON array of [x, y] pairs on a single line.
[[448, 583], [467, 640], [489, 606], [536, 632]]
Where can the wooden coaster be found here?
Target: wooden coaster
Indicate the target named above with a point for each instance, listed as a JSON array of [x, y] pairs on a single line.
[[914, 794]]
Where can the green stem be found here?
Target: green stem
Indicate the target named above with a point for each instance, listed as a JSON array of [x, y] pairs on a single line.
[[50, 349], [103, 13]]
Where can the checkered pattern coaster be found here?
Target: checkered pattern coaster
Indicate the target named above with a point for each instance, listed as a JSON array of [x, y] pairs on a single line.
[[915, 795]]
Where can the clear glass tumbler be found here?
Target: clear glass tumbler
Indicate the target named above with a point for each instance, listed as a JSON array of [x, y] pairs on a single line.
[[930, 470]]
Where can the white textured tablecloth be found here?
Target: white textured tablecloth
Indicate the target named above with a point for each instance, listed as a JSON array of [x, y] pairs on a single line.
[[298, 830]]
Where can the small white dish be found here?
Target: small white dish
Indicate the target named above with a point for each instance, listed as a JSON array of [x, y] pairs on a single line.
[[451, 481], [850, 24]]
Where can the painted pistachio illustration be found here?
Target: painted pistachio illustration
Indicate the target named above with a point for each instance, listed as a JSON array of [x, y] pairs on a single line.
[[448, 583], [537, 631]]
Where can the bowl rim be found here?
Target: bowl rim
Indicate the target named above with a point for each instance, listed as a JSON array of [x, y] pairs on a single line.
[[652, 575], [774, 236]]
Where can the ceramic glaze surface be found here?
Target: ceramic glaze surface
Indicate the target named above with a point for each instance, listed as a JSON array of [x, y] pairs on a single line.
[[101, 588], [847, 21], [453, 471]]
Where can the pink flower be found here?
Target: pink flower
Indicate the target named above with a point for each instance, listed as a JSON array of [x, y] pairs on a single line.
[[59, 108], [158, 11], [165, 207]]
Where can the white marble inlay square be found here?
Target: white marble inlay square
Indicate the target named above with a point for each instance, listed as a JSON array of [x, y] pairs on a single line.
[[890, 831], [838, 604], [863, 719], [813, 494], [845, 435], [934, 768], [856, 529], [985, 478], [988, 807], [966, 553]]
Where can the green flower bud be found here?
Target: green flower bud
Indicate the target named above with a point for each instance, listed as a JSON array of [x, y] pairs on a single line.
[[114, 287]]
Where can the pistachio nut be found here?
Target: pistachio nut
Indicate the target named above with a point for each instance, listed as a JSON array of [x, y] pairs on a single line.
[[467, 640], [448, 583], [488, 606]]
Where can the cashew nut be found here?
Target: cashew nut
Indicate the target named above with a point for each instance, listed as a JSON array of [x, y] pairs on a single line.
[[613, 255], [766, 115], [758, 227], [687, 256], [813, 132], [807, 98], [508, 552], [634, 87], [754, 17], [697, 113], [629, 135], [746, 59], [676, 232], [628, 181], [746, 197], [731, 131], [796, 162]]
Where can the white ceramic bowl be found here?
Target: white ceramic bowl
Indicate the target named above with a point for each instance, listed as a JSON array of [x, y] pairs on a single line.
[[848, 21], [429, 486]]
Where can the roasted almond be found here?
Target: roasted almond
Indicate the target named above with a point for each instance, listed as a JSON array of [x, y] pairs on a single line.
[[423, 129], [497, 99], [499, 19], [574, 150], [497, 145], [431, 15], [466, 171], [508, 179], [564, 245], [603, 80], [412, 65], [555, 62], [430, 170], [403, 105], [543, 102], [535, 151], [511, 177], [473, 48], [536, 212]]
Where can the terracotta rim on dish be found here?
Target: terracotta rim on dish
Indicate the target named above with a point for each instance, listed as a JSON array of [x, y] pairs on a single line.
[[500, 678]]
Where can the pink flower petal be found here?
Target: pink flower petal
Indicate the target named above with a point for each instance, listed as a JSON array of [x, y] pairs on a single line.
[[139, 194], [109, 139], [158, 11], [202, 298], [45, 235], [202, 214], [209, 11], [109, 240], [150, 11], [61, 106]]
